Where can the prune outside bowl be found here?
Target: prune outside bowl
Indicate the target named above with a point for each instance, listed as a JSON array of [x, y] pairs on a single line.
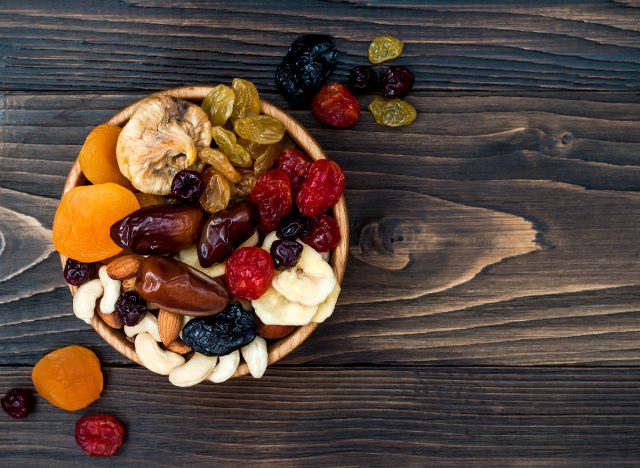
[[280, 348]]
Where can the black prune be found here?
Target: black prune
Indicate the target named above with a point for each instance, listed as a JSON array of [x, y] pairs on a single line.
[[131, 308], [363, 79], [220, 334], [17, 403], [397, 81], [285, 253], [76, 273], [187, 186], [307, 65]]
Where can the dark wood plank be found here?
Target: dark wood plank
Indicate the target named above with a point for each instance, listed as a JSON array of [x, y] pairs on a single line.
[[143, 44], [350, 416], [498, 229]]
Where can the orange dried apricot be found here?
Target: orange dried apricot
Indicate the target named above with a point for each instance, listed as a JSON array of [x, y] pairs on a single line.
[[97, 157], [69, 378], [84, 217]]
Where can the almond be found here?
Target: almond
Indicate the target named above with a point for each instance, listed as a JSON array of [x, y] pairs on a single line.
[[129, 284], [178, 346], [124, 267], [169, 326], [113, 319]]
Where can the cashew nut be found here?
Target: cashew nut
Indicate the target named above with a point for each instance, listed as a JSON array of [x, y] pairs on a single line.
[[226, 367], [149, 324], [84, 301], [155, 358], [256, 356], [194, 371], [111, 291]]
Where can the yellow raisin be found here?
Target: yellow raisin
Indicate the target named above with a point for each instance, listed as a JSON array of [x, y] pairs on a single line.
[[218, 104], [384, 48]]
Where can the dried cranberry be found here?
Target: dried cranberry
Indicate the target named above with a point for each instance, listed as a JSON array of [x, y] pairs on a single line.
[[285, 253], [324, 234], [76, 272], [296, 165], [187, 186], [17, 403], [335, 106], [292, 227], [131, 308], [249, 272], [272, 196], [322, 189], [363, 79], [397, 81], [100, 435]]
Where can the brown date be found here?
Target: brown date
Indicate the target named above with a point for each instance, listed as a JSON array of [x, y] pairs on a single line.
[[158, 229], [179, 288], [224, 231]]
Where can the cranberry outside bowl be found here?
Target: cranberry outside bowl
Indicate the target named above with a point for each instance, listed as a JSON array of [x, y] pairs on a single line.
[[338, 259]]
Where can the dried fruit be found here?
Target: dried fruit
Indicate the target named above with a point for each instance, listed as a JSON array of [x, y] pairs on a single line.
[[131, 308], [324, 233], [274, 332], [69, 378], [322, 189], [307, 65], [384, 48], [396, 82], [392, 112], [221, 334], [217, 192], [272, 196], [247, 100], [124, 267], [226, 141], [100, 435], [363, 79], [262, 129], [84, 217], [17, 403], [295, 163], [179, 288], [220, 163], [76, 272], [225, 231], [335, 106], [147, 199], [162, 137], [249, 272], [218, 104], [159, 229], [246, 183], [187, 186], [292, 227], [266, 158], [285, 253], [97, 157]]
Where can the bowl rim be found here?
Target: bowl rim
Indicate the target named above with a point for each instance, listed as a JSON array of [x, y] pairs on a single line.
[[338, 261]]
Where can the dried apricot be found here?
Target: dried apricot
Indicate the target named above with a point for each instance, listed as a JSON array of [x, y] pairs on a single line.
[[97, 157], [69, 378], [84, 217]]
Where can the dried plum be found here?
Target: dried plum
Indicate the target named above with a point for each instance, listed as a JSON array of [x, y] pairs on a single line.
[[220, 334], [307, 65]]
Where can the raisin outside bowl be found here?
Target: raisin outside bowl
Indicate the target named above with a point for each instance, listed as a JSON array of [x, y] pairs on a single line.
[[277, 350]]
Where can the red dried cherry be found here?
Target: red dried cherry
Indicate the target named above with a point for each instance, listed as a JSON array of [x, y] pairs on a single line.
[[324, 233], [99, 435], [17, 403], [272, 196], [296, 165], [335, 106], [322, 189], [249, 272], [397, 81]]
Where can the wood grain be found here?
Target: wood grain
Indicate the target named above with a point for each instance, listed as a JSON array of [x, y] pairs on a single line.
[[350, 416], [143, 44], [528, 218]]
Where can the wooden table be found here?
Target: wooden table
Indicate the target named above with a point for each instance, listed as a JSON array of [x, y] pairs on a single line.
[[491, 308]]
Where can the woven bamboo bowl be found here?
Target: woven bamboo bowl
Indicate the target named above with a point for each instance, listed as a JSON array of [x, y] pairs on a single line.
[[277, 350]]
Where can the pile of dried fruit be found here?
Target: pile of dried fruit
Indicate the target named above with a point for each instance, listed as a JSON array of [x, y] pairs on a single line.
[[205, 232], [311, 59]]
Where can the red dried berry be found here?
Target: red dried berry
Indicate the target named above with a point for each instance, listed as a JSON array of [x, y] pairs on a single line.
[[272, 196], [396, 82], [322, 189], [249, 272], [335, 106], [17, 403], [324, 233], [99, 435], [296, 165]]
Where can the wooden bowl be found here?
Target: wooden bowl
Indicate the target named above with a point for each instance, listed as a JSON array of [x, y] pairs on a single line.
[[338, 261]]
